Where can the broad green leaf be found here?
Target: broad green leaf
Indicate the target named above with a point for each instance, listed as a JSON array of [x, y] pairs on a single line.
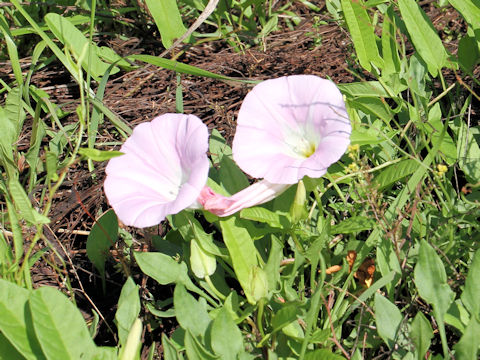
[[434, 127], [431, 282], [77, 43], [55, 317], [105, 353], [431, 279], [374, 106], [365, 89], [190, 228], [218, 147], [162, 268], [226, 337], [471, 293], [387, 261], [168, 20], [159, 313], [231, 177], [257, 284], [242, 252], [395, 172], [273, 218], [362, 32], [202, 263], [272, 267], [324, 354], [468, 52], [391, 60], [102, 237], [352, 225], [128, 309], [99, 155], [423, 35], [467, 347], [191, 314], [16, 321], [51, 162], [468, 151], [196, 350], [388, 319], [421, 334], [365, 137], [284, 316], [7, 350], [470, 10], [169, 350], [457, 316]]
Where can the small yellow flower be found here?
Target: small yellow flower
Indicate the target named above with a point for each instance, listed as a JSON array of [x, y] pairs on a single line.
[[442, 169], [353, 151], [353, 148], [353, 167]]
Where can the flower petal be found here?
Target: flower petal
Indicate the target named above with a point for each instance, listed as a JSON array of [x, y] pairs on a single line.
[[255, 194], [162, 171], [291, 127]]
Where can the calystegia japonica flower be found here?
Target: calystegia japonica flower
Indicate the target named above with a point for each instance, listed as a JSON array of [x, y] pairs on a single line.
[[287, 128], [162, 171]]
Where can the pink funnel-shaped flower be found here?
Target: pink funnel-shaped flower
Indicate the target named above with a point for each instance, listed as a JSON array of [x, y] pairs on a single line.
[[291, 127], [253, 195], [162, 171]]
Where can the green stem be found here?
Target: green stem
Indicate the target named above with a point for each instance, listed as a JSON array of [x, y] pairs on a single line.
[[214, 289], [260, 317], [315, 304]]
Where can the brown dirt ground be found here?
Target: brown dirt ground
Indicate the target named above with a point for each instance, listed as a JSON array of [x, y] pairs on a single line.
[[146, 92]]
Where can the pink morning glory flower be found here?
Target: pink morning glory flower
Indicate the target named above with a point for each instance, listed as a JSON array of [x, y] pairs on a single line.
[[291, 127], [287, 128], [162, 171]]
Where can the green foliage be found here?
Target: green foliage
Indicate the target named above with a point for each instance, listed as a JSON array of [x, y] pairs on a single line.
[[362, 33], [31, 319], [128, 309], [168, 20], [276, 279], [101, 238]]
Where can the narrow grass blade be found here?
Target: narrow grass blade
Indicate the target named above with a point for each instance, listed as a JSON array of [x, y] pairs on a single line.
[[55, 49], [362, 32], [184, 68]]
